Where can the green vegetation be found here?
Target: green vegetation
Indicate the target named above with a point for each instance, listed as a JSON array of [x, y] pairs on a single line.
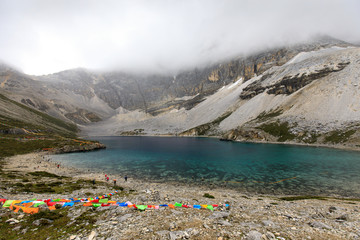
[[221, 118], [22, 136], [138, 131], [338, 136], [267, 115], [207, 195], [57, 123], [44, 182], [204, 129], [118, 188], [44, 174], [277, 129], [58, 229], [13, 145], [296, 198]]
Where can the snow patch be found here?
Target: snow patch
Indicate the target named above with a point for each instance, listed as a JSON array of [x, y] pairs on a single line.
[[305, 55], [235, 83], [185, 98]]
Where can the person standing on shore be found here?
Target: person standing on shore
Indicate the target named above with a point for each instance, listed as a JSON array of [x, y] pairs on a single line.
[[107, 179], [114, 182], [125, 178]]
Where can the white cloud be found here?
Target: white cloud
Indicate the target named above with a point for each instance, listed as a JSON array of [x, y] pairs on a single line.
[[42, 36]]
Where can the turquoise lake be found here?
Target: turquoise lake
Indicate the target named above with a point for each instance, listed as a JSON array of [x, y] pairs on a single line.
[[248, 167]]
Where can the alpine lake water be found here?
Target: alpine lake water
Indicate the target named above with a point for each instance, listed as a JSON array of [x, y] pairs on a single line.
[[274, 169]]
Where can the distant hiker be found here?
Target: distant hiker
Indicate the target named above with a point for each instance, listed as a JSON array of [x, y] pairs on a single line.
[[114, 182], [58, 165], [125, 178], [107, 179], [93, 181]]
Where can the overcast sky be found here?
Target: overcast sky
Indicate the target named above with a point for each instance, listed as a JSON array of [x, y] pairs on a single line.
[[46, 36]]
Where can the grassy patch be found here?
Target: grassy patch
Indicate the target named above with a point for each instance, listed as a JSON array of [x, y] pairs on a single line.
[[338, 136], [267, 115], [59, 187], [118, 188], [280, 130], [221, 118], [296, 198], [11, 147], [45, 174], [207, 195], [86, 217], [37, 188], [58, 229], [349, 199], [205, 129]]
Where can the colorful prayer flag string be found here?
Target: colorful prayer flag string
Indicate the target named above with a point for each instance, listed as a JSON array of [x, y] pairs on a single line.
[[32, 206]]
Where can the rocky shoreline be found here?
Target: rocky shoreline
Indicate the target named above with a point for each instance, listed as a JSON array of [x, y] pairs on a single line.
[[78, 148], [248, 217]]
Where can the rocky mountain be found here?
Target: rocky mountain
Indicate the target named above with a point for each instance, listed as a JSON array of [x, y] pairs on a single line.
[[18, 119], [312, 98], [289, 89]]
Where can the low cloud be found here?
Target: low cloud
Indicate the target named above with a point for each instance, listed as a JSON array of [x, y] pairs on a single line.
[[43, 37]]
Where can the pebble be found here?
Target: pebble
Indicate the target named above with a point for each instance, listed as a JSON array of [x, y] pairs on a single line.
[[206, 226], [269, 236], [42, 221], [320, 225], [342, 218], [268, 223], [217, 215], [224, 223], [12, 221], [332, 209], [92, 235], [173, 226], [124, 217], [254, 235]]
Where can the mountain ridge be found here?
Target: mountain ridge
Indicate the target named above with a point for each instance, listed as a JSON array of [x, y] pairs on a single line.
[[113, 98]]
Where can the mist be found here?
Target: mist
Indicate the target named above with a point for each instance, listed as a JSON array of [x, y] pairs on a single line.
[[42, 37]]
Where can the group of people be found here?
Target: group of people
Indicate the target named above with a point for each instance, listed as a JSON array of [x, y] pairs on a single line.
[[107, 178]]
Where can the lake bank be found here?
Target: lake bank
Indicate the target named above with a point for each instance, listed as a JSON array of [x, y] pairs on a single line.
[[352, 147], [249, 215], [266, 169]]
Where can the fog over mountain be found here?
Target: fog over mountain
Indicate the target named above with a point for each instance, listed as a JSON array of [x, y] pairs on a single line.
[[42, 37]]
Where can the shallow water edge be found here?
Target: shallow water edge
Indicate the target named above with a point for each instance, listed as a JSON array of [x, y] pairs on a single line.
[[246, 167]]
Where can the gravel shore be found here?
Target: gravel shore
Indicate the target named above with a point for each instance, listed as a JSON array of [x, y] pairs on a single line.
[[248, 217]]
